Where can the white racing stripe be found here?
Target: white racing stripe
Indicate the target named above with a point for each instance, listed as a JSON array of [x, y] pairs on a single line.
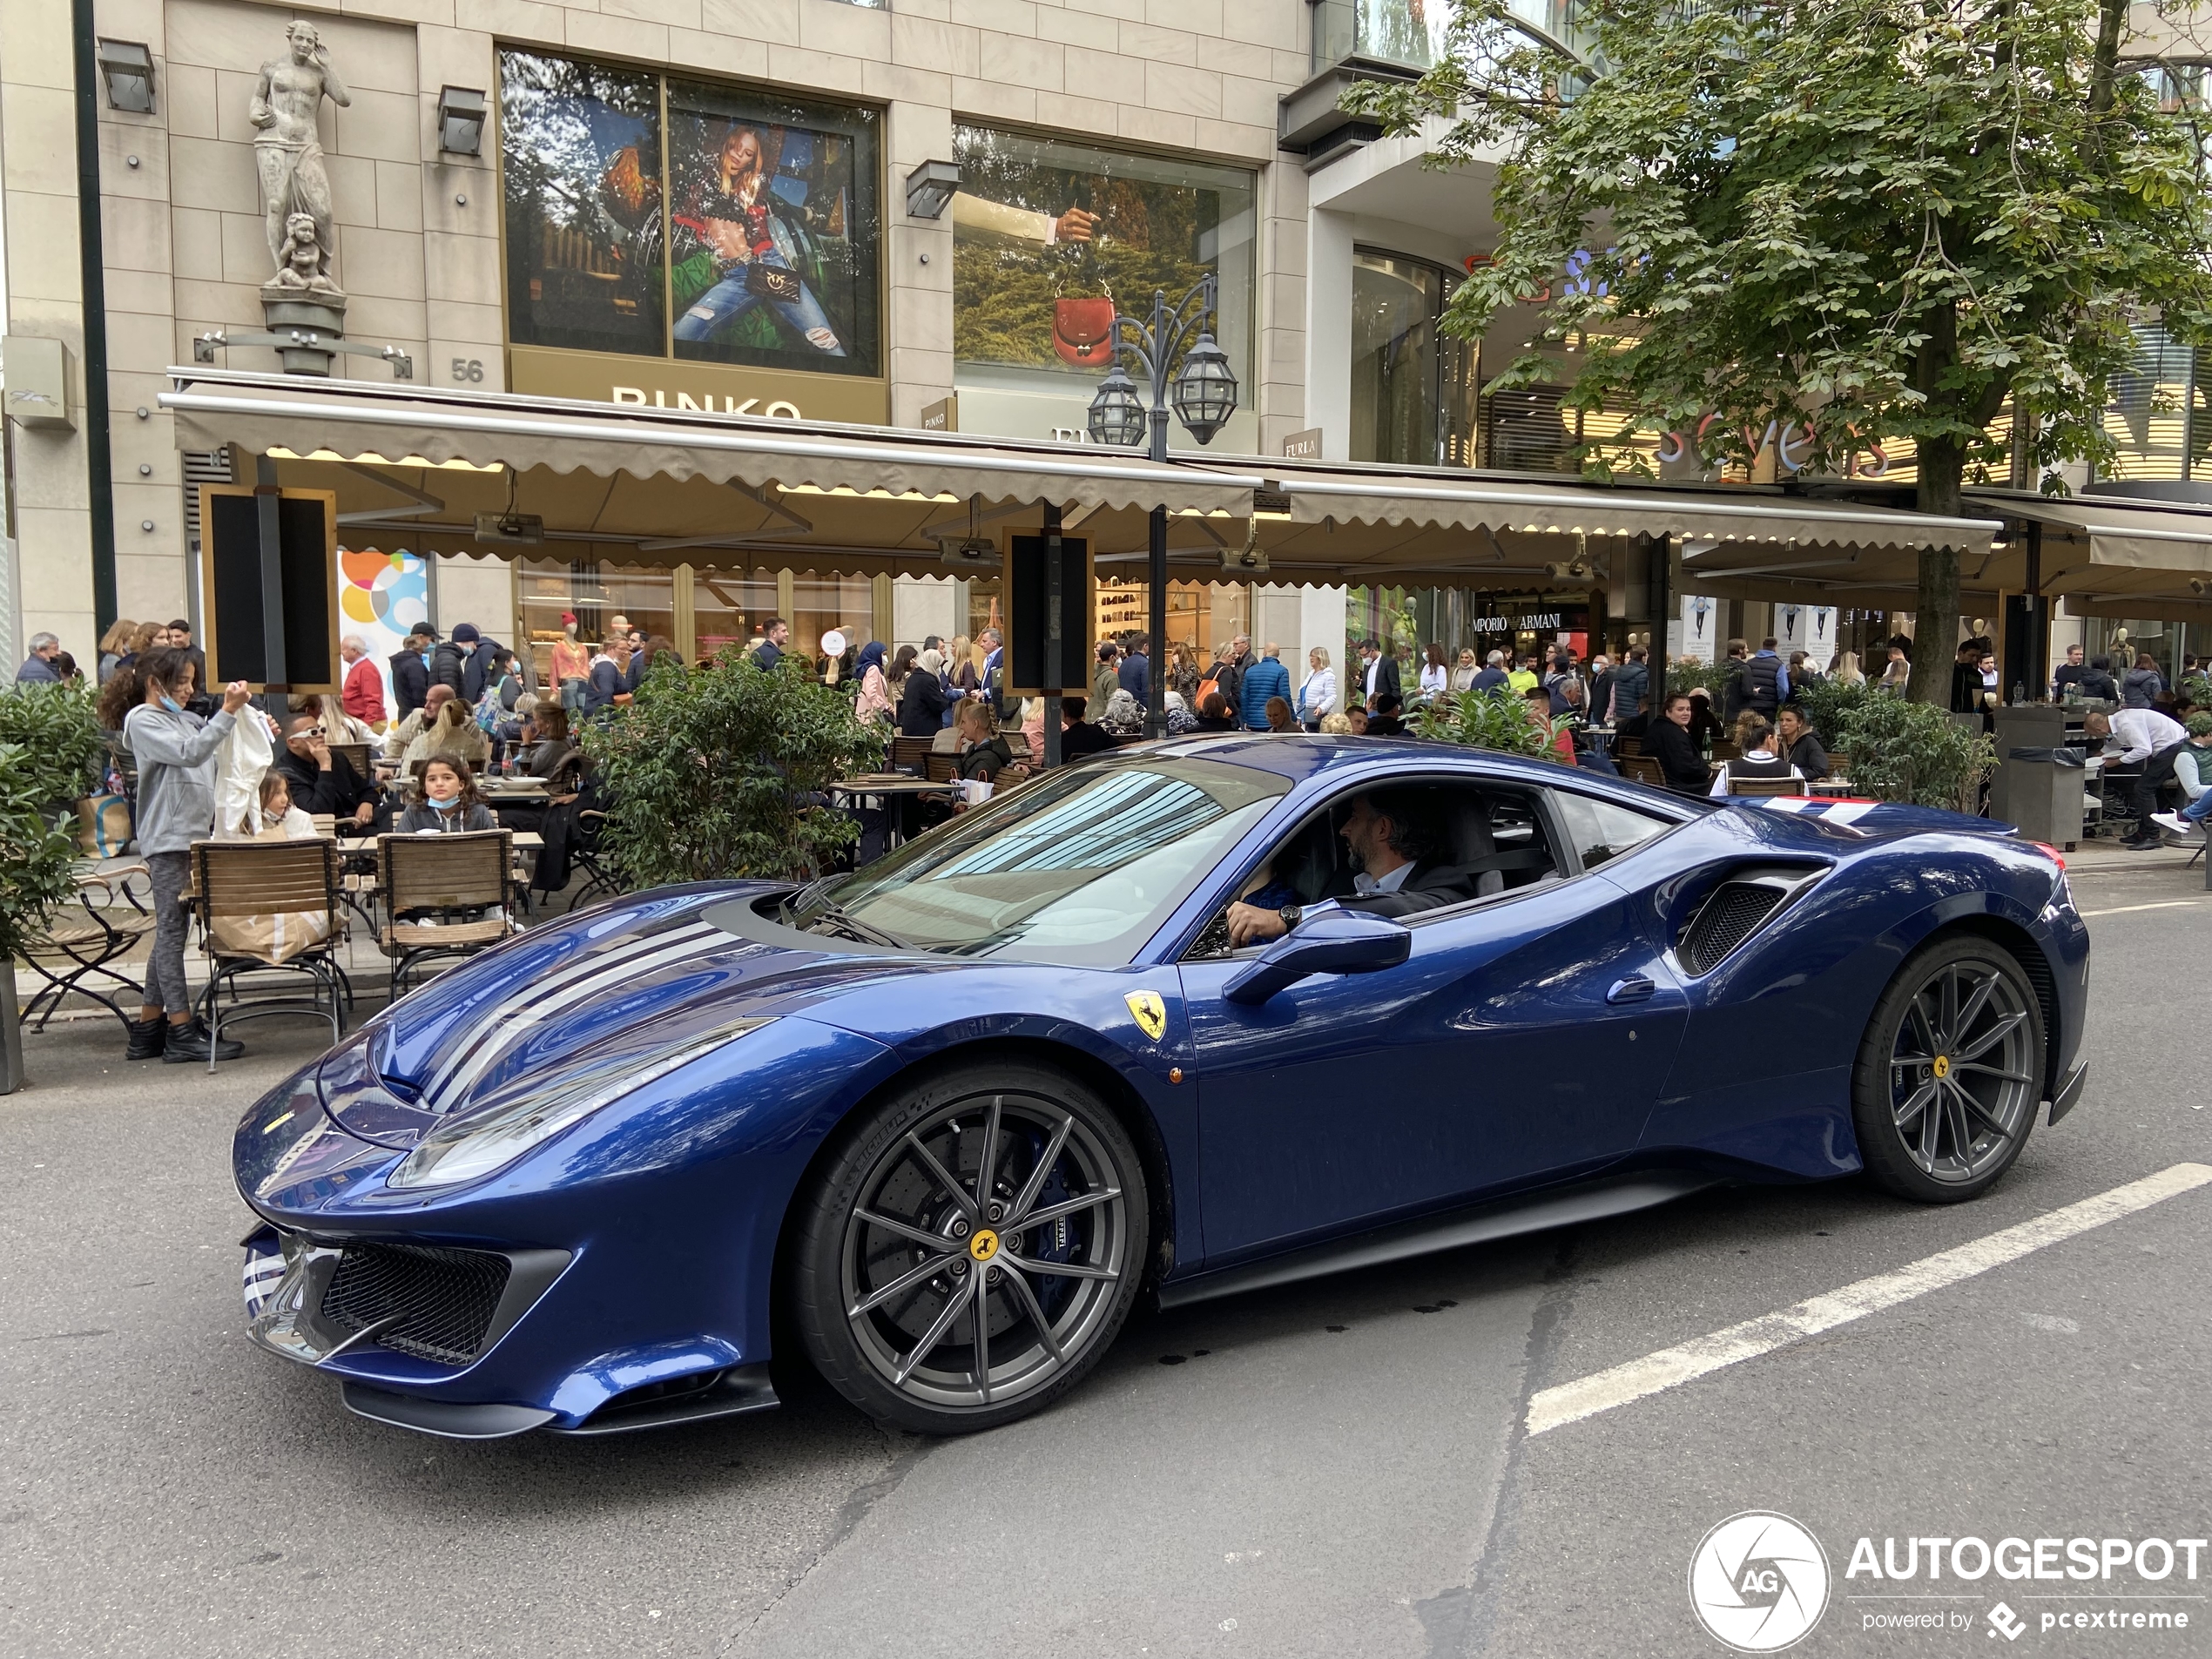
[[1671, 1367]]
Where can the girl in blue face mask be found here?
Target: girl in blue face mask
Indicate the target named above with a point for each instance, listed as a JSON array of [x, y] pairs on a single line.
[[445, 801]]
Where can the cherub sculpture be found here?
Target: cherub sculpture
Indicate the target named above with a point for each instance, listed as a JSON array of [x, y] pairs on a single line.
[[301, 270]]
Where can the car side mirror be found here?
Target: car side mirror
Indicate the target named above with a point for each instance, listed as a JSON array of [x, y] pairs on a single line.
[[1339, 941]]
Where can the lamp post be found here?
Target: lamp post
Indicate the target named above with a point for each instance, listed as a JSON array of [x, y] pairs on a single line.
[[1204, 396]]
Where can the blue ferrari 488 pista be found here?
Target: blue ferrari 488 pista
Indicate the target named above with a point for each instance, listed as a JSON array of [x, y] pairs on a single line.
[[1190, 1018]]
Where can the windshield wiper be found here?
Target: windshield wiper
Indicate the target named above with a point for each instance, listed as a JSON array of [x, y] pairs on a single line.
[[839, 919]]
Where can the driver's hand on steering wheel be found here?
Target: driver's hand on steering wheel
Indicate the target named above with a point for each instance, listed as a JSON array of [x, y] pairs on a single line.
[[1249, 924]]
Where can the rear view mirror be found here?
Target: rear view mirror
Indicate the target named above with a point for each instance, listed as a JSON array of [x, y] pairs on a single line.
[[1339, 941]]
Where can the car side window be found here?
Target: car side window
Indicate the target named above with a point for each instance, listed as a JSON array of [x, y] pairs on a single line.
[[1602, 830], [1492, 838]]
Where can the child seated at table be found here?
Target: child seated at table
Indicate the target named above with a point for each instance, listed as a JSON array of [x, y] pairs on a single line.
[[444, 800], [273, 818]]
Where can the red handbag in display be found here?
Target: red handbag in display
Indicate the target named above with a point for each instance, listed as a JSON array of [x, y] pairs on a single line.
[[1083, 331]]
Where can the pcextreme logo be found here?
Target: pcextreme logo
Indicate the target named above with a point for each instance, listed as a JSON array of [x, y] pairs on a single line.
[[1758, 1581]]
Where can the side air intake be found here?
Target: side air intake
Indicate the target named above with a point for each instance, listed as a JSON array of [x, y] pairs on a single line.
[[1733, 912]]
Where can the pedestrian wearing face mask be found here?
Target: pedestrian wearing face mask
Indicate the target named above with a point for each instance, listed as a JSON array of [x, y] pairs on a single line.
[[445, 801], [175, 753]]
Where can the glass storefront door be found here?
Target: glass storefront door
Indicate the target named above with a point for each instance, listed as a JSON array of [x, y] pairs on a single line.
[[1412, 390]]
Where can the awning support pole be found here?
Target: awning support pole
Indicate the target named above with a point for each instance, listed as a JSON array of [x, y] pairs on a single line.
[[1054, 645], [1156, 623]]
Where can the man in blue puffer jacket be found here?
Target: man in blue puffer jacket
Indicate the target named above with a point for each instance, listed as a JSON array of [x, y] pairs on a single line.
[[1264, 679]]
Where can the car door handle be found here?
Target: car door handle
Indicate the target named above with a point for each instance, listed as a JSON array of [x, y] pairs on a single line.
[[1635, 990]]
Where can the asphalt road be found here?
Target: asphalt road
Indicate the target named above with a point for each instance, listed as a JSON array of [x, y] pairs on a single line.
[[1334, 1469]]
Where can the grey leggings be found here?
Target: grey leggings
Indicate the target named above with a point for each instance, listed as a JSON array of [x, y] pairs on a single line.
[[171, 872]]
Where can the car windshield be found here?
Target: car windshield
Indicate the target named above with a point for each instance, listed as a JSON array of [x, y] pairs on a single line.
[[1082, 865]]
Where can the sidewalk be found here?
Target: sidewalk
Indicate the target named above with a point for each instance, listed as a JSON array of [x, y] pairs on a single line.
[[2102, 857]]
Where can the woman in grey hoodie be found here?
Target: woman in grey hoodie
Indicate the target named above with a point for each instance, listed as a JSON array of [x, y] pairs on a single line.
[[175, 752]]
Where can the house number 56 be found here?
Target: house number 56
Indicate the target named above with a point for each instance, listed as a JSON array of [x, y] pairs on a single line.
[[469, 368]]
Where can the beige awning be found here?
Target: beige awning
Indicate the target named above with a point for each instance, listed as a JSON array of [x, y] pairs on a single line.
[[2114, 555], [1439, 499], [403, 425]]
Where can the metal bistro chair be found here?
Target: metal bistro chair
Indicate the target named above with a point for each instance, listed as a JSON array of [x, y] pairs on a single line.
[[356, 757], [80, 941], [245, 884], [445, 874], [910, 754]]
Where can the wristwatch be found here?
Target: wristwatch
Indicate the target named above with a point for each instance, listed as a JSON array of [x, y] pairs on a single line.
[[1292, 914]]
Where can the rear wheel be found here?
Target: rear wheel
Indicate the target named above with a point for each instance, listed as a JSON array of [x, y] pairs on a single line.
[[1949, 1072], [971, 1248]]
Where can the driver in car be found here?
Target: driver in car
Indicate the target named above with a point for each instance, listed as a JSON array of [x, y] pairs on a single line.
[[1396, 837]]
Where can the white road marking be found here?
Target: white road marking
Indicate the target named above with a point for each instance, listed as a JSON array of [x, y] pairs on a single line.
[[2163, 904], [1671, 1367]]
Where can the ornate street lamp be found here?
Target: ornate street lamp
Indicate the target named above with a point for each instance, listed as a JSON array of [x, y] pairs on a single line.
[[1204, 396]]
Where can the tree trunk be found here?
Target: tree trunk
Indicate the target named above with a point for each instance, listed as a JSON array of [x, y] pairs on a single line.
[[1935, 631]]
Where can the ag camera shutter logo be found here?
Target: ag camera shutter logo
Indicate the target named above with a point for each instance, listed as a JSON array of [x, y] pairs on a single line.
[[1758, 1581]]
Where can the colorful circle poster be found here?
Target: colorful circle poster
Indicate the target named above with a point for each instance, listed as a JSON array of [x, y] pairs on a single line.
[[381, 595]]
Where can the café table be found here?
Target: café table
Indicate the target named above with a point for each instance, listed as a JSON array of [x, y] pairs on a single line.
[[887, 787]]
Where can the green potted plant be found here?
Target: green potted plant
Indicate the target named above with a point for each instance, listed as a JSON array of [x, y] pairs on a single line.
[[59, 733], [1496, 719], [35, 859], [1915, 752], [721, 771]]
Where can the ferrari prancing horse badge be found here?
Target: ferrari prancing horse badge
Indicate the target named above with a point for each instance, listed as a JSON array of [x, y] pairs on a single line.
[[1151, 1013]]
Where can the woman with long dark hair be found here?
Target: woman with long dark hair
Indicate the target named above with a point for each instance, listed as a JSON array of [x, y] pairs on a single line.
[[175, 752]]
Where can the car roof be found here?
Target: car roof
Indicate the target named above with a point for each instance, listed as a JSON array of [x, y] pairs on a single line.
[[1299, 756]]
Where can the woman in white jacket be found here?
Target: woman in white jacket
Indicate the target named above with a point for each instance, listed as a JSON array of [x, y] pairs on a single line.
[[1316, 693]]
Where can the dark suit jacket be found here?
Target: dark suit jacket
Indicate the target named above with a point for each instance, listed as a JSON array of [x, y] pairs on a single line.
[[410, 681], [1431, 886], [1385, 677], [340, 791]]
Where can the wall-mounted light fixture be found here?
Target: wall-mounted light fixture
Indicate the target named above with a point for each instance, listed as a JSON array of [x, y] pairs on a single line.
[[461, 121], [127, 67], [930, 187]]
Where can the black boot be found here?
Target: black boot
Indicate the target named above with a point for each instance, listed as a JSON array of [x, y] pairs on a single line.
[[190, 1042], [147, 1038]]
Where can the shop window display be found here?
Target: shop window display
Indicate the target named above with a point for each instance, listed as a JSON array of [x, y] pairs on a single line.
[[749, 236], [1050, 237], [595, 594], [728, 608]]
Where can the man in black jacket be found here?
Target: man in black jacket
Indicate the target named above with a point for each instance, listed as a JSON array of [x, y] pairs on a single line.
[[410, 675], [1667, 741], [1398, 836], [449, 662], [1378, 674], [321, 781]]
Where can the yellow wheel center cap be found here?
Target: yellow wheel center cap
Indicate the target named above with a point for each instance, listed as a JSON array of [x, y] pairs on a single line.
[[983, 1244], [1943, 1065]]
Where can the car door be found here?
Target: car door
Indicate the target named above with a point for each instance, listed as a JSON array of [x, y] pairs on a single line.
[[1526, 1035]]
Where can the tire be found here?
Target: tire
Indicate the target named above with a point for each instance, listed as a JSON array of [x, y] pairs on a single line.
[[894, 1250], [1949, 1073]]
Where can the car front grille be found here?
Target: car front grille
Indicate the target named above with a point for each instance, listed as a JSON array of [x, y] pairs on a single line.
[[442, 1301]]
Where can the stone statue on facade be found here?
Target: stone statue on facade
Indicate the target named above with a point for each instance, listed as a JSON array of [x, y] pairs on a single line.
[[288, 154]]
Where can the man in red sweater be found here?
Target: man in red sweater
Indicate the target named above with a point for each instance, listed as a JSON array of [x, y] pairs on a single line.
[[364, 696]]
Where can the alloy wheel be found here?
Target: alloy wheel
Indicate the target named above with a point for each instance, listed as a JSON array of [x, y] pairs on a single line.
[[982, 1256], [1962, 1087]]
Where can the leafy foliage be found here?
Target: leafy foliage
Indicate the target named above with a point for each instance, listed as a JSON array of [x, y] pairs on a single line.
[[1872, 219], [718, 771], [1497, 719], [1832, 704], [35, 857], [59, 735], [1911, 751], [1714, 676]]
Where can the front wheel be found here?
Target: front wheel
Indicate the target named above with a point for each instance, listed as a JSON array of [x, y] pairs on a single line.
[[971, 1248], [1949, 1072]]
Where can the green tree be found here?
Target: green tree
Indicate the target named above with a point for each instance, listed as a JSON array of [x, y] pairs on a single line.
[[59, 736], [1875, 218], [35, 858], [720, 771]]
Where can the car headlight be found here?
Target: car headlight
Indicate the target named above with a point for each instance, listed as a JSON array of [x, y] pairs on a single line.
[[484, 1141]]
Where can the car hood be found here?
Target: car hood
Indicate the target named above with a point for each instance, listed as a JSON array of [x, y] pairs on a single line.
[[628, 980]]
